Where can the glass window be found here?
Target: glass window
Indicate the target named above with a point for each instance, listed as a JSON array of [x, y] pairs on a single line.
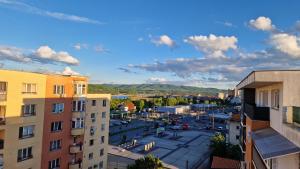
[[24, 154], [104, 103], [103, 115], [275, 99], [55, 145], [102, 152], [26, 131], [54, 164], [58, 107], [77, 123], [28, 110], [56, 126], [29, 88], [93, 102]]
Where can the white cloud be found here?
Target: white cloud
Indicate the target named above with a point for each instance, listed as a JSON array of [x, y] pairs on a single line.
[[13, 54], [164, 40], [140, 39], [101, 49], [79, 46], [286, 43], [69, 71], [47, 54], [213, 45], [20, 6], [157, 80], [43, 54], [262, 23]]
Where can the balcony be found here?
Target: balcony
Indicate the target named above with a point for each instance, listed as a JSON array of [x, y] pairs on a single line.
[[291, 115], [75, 148], [77, 114], [257, 113], [2, 96], [77, 131], [75, 165]]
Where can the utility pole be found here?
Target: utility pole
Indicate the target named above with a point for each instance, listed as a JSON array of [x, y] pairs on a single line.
[[187, 164]]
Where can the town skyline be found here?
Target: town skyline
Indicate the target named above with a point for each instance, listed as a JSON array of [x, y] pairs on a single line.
[[203, 44]]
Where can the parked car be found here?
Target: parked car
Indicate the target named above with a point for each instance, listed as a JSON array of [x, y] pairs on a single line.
[[208, 127], [185, 126], [175, 127], [220, 128], [124, 122]]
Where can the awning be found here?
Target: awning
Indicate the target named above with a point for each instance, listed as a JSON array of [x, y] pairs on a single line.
[[271, 144]]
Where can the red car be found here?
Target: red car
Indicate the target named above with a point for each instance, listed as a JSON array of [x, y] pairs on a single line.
[[185, 126]]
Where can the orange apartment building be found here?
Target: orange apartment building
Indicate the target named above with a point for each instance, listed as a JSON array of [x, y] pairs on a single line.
[[270, 123], [43, 122]]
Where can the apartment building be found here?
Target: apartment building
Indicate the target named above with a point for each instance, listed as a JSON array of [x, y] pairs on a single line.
[[233, 127], [96, 135], [45, 121], [270, 124], [22, 102]]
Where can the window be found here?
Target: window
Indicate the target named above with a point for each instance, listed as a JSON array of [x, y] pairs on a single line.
[[101, 165], [104, 103], [58, 107], [102, 152], [26, 131], [56, 126], [55, 145], [29, 88], [2, 113], [103, 115], [102, 140], [3, 89], [92, 130], [28, 110], [79, 89], [59, 89], [96, 166], [237, 137], [3, 86], [77, 123], [93, 117], [79, 105], [93, 102], [90, 167], [237, 127], [102, 127], [275, 99], [263, 97], [90, 156], [24, 154], [91, 142], [54, 164]]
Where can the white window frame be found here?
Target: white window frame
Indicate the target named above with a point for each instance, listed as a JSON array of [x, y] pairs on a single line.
[[77, 123], [80, 89], [59, 89], [31, 109], [27, 131], [275, 97], [58, 107], [30, 88], [78, 105]]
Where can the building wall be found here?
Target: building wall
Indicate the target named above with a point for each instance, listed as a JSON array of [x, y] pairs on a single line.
[[289, 161], [118, 162], [14, 120], [252, 125], [95, 149], [233, 132], [66, 117]]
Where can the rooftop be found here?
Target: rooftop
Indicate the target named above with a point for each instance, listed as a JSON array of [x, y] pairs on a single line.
[[224, 163]]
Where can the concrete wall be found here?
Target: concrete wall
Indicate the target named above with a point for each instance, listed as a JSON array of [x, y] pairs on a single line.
[[233, 132]]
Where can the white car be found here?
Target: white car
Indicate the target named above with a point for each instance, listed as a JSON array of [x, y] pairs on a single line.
[[176, 127], [220, 128], [124, 122]]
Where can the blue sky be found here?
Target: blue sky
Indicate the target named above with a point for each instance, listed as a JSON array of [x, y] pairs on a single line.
[[198, 43]]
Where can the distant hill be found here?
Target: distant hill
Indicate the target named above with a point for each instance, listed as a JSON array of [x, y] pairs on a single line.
[[158, 89]]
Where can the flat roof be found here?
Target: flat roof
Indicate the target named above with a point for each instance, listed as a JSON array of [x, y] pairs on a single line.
[[224, 163], [270, 144]]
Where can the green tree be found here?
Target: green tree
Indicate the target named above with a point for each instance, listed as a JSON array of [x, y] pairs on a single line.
[[140, 104], [158, 101], [218, 144], [171, 101], [148, 162]]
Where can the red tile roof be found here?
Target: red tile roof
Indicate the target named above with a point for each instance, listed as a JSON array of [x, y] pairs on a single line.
[[224, 163]]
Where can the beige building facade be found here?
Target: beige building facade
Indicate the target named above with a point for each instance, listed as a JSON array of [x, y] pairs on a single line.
[[271, 125]]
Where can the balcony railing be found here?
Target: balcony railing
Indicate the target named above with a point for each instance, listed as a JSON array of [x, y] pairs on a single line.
[[2, 96], [257, 113], [258, 162], [76, 148], [75, 165]]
